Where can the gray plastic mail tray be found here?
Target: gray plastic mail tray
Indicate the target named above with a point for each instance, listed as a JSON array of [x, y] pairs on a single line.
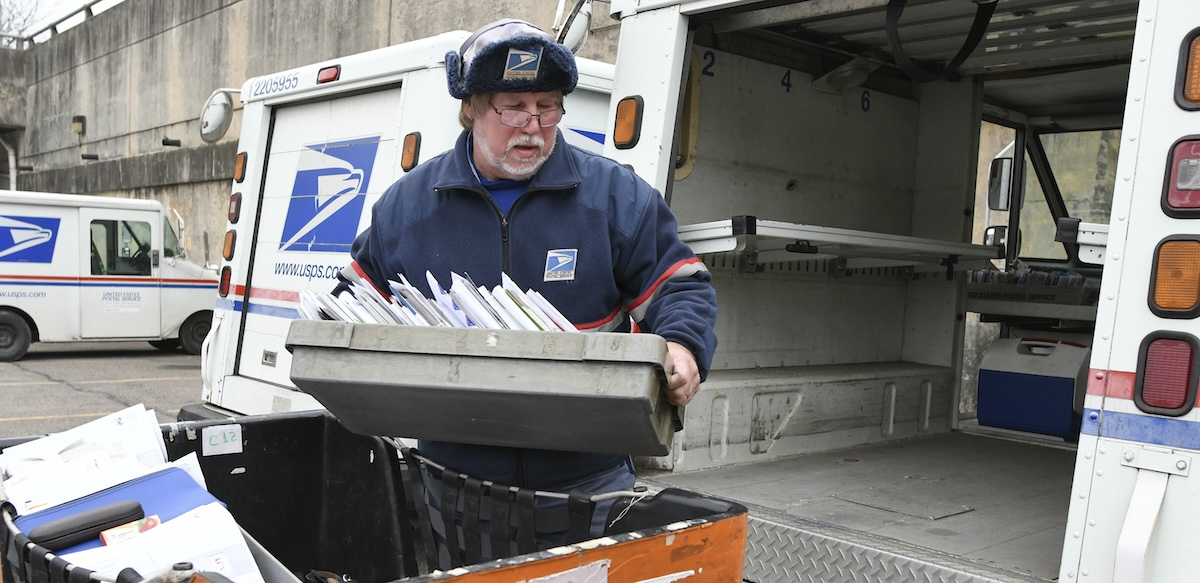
[[551, 390]]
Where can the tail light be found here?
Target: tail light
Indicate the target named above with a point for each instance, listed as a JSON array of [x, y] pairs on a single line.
[[226, 278], [1181, 193], [235, 207], [1166, 378]]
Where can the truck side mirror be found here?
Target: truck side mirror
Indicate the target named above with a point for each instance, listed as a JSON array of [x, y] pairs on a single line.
[[1000, 184], [995, 236], [216, 115]]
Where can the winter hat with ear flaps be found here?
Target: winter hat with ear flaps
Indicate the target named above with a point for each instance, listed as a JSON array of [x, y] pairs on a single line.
[[510, 56]]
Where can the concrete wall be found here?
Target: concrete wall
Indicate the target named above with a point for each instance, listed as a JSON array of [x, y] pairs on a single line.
[[141, 71]]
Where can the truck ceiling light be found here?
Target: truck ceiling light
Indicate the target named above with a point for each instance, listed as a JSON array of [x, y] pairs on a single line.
[[226, 277], [1166, 378], [235, 207], [1189, 85], [410, 154], [230, 242], [239, 168], [627, 127], [1181, 193], [329, 74], [1175, 284]]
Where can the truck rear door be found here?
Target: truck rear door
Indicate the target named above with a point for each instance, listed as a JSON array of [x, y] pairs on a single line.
[[328, 162]]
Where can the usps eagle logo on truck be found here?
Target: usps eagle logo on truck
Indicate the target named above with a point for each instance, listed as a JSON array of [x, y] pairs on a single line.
[[328, 195], [27, 239]]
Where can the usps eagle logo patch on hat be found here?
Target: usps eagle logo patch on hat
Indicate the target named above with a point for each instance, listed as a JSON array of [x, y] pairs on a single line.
[[522, 64], [560, 265]]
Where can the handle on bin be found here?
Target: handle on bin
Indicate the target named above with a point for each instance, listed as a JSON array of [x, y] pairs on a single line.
[[1037, 346], [677, 418]]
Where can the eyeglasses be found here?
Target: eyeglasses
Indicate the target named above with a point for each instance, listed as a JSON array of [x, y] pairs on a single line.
[[519, 118]]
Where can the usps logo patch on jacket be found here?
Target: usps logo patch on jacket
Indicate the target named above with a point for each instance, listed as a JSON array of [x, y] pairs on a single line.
[[560, 265], [522, 64]]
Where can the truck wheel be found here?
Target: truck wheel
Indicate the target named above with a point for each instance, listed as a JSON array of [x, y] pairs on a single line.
[[193, 331], [14, 336]]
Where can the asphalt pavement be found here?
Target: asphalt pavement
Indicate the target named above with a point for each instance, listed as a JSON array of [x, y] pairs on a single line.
[[59, 386]]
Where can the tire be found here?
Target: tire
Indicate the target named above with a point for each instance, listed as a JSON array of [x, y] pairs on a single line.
[[15, 336], [193, 331], [165, 345]]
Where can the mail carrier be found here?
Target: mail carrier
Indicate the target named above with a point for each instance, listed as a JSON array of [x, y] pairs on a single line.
[[90, 268]]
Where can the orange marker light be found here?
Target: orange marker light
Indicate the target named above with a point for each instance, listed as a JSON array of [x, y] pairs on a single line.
[[230, 242], [627, 128], [1177, 278], [239, 168], [410, 155]]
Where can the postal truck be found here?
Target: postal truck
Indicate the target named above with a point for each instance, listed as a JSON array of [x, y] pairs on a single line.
[[91, 268], [829, 162]]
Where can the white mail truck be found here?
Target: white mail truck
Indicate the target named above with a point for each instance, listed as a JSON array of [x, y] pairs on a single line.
[[827, 159], [93, 268], [319, 144]]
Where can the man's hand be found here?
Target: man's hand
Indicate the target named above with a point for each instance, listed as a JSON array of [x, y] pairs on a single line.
[[683, 376]]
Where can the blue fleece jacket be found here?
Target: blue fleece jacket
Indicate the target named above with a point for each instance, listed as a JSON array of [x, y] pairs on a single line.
[[597, 241]]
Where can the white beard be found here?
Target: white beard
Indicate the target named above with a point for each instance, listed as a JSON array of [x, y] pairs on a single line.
[[522, 170]]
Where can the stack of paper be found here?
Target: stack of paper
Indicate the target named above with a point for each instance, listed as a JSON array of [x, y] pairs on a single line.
[[64, 466], [463, 305]]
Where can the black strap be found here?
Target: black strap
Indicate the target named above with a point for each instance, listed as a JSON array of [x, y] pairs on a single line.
[[416, 472], [983, 15], [526, 521], [21, 542], [38, 563], [499, 526], [472, 500], [58, 570], [580, 509], [449, 502]]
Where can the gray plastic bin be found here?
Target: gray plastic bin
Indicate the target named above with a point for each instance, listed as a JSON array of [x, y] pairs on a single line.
[[596, 392]]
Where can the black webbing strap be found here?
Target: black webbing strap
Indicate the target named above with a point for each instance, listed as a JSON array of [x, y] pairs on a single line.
[[579, 516], [499, 526], [449, 502], [58, 570], [21, 543], [79, 575], [416, 471], [526, 521], [38, 563], [472, 500], [983, 15]]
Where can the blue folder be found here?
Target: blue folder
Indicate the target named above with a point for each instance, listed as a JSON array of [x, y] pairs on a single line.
[[167, 493]]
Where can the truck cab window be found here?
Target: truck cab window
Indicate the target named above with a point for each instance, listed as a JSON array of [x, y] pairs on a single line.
[[123, 247], [171, 246]]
